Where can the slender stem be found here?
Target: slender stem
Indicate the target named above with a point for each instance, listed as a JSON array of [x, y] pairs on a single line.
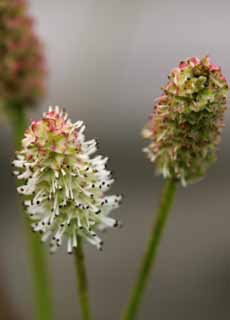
[[151, 252], [82, 281], [44, 309]]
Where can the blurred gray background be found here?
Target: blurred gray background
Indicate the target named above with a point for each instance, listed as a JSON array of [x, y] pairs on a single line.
[[107, 61]]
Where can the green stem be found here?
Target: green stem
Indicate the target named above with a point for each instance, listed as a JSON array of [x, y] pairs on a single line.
[[82, 281], [151, 252], [44, 309]]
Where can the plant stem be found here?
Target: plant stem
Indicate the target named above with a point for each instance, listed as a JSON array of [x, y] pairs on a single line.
[[151, 252], [44, 309], [40, 277], [82, 280]]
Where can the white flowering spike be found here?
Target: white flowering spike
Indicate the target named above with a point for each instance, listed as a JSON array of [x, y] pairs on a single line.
[[63, 186]]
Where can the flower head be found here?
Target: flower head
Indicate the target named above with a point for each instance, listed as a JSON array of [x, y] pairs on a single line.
[[22, 67], [185, 126], [63, 186]]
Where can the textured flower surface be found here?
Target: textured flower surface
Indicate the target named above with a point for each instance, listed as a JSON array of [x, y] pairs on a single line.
[[185, 126], [64, 187], [22, 66]]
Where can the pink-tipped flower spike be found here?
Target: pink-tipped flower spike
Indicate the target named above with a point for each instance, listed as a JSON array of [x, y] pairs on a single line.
[[184, 129], [63, 185], [22, 63]]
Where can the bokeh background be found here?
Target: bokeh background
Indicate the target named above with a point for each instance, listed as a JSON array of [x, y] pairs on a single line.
[[107, 60]]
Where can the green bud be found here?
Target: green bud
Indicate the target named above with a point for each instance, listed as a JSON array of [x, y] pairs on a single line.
[[187, 120]]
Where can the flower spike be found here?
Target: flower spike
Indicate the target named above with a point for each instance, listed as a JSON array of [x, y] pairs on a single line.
[[186, 123], [22, 62], [63, 185]]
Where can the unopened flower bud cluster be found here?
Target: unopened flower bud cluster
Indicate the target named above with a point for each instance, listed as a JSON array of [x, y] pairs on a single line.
[[185, 126]]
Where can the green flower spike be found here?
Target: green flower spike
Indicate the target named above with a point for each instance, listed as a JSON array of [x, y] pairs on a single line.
[[187, 120], [184, 131]]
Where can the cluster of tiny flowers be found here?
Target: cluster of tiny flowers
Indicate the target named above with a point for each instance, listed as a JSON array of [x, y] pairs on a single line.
[[22, 65], [63, 185], [185, 126]]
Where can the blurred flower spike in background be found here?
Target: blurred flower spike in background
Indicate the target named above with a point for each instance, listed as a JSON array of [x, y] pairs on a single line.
[[22, 63]]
